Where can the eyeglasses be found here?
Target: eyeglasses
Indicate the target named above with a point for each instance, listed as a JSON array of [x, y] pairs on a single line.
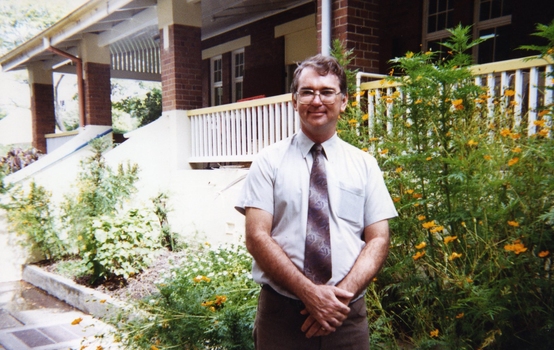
[[327, 96]]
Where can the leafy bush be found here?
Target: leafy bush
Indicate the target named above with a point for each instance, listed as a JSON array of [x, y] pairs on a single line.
[[111, 239], [146, 110], [30, 215], [120, 244], [17, 158], [207, 301], [470, 257]]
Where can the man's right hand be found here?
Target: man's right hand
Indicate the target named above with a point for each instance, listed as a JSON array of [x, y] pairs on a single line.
[[326, 307]]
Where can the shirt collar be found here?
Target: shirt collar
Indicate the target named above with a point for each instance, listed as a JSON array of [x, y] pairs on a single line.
[[305, 145]]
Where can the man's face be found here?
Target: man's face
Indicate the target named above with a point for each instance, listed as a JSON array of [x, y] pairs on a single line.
[[318, 121]]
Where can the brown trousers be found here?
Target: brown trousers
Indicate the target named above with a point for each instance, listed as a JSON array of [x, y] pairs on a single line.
[[278, 322]]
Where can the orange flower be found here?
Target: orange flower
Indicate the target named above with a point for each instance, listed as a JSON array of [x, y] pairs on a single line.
[[437, 229], [454, 256], [515, 136], [487, 157], [505, 132], [472, 143], [396, 199], [539, 123], [449, 239], [409, 191], [399, 169], [543, 132], [517, 247], [429, 224], [76, 321], [517, 150], [434, 334], [421, 217], [513, 161], [544, 254], [513, 223], [460, 315], [385, 151], [509, 93], [428, 158], [418, 255], [421, 245]]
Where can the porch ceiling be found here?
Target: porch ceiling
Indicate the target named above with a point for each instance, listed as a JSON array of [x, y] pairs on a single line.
[[132, 24]]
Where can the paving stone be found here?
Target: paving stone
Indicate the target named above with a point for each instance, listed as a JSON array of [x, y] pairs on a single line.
[[8, 321], [58, 333], [33, 338]]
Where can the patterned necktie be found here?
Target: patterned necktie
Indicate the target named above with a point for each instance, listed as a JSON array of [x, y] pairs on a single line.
[[317, 256]]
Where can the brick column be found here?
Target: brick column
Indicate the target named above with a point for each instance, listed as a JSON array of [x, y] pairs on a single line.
[[355, 23], [43, 113], [181, 59], [98, 108]]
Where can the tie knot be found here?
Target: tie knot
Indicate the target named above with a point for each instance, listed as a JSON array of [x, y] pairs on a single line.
[[317, 148]]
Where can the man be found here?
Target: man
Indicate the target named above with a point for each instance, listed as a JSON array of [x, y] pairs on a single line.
[[312, 298]]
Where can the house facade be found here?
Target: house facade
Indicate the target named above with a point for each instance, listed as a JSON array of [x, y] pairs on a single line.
[[215, 52]]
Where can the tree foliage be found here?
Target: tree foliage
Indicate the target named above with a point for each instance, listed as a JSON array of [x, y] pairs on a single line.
[[146, 109]]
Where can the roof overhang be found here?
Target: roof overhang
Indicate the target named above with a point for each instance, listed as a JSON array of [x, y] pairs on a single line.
[[132, 24]]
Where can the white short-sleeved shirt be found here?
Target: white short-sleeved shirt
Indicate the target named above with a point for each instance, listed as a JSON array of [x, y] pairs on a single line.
[[278, 182]]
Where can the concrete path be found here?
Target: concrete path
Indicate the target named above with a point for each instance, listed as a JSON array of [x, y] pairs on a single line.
[[32, 319]]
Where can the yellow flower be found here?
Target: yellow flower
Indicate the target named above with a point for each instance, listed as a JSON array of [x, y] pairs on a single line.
[[513, 161], [417, 195], [515, 136], [102, 301], [487, 157], [517, 150], [543, 132], [354, 103], [154, 347], [429, 224], [398, 170], [454, 255], [418, 255], [509, 92], [449, 239], [365, 117], [76, 321], [201, 278], [364, 149], [352, 122], [434, 334], [472, 143], [437, 229], [543, 113], [385, 151], [460, 315], [469, 280], [457, 102], [539, 123], [409, 54], [428, 158], [513, 223], [396, 199], [517, 247], [421, 217], [409, 191], [418, 101], [463, 224], [505, 132], [373, 139], [544, 254], [421, 245]]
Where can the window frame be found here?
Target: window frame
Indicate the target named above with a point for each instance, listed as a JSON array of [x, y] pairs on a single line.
[[237, 79], [215, 85]]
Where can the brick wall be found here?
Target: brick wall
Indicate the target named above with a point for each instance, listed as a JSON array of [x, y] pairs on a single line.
[[356, 24], [98, 109], [43, 115], [181, 69]]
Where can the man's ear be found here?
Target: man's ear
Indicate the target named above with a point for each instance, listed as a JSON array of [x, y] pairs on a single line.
[[294, 103], [344, 102]]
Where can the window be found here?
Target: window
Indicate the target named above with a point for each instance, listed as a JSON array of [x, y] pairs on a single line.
[[216, 80], [493, 22], [438, 18], [238, 74]]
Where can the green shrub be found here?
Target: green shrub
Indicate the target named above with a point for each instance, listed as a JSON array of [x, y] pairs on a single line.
[[30, 215], [470, 258], [208, 301]]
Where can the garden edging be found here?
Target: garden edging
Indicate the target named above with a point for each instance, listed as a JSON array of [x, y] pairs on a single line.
[[88, 300]]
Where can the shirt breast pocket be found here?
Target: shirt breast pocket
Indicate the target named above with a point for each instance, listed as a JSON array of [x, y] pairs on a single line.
[[351, 204]]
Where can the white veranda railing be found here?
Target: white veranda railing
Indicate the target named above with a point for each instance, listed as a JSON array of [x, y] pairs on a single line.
[[237, 132], [528, 80]]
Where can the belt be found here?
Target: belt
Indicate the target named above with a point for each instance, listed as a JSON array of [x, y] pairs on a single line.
[[294, 302]]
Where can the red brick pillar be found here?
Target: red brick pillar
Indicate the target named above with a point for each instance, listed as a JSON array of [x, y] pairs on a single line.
[[98, 107], [181, 59], [355, 23], [43, 113]]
